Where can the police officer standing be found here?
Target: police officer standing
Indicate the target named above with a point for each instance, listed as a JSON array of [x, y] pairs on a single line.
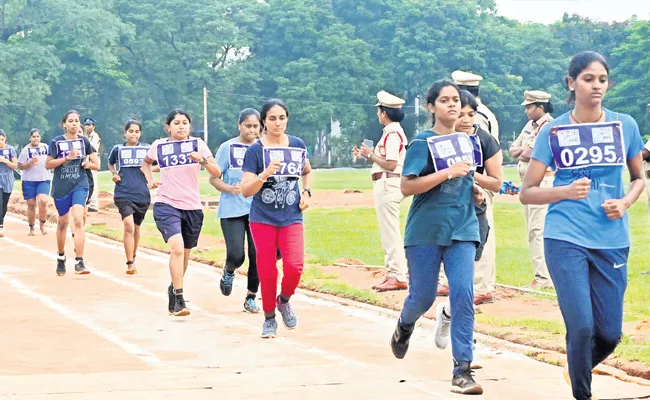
[[96, 142], [538, 109], [485, 118], [388, 158]]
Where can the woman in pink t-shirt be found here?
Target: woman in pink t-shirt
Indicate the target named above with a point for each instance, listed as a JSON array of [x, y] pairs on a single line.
[[177, 206]]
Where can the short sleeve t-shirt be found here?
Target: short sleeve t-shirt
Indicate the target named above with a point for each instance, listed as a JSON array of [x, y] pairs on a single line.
[[70, 176], [230, 205], [278, 201], [38, 172], [489, 147], [180, 184], [6, 173], [132, 184], [584, 222], [444, 213]]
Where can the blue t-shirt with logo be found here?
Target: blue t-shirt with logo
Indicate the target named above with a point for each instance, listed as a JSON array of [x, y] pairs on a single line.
[[584, 222], [133, 184], [278, 201], [230, 205], [71, 175], [444, 213]]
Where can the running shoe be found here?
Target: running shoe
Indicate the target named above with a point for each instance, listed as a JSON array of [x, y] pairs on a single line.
[[464, 383], [60, 265], [180, 310], [226, 283], [80, 268], [442, 327], [288, 316], [269, 329], [251, 306]]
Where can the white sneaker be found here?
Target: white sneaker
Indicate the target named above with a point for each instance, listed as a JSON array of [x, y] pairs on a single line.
[[442, 327]]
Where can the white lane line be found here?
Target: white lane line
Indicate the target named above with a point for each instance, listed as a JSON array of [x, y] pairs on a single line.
[[130, 348], [253, 328]]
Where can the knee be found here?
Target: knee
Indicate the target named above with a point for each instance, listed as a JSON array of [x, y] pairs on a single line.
[[42, 203], [78, 223], [129, 228], [421, 303], [582, 332], [235, 258], [62, 226], [177, 250], [608, 341]]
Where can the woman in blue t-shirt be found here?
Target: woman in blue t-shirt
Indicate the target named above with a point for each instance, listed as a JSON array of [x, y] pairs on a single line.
[[131, 195], [70, 155], [272, 169], [234, 208], [441, 227], [8, 163], [35, 179], [586, 234]]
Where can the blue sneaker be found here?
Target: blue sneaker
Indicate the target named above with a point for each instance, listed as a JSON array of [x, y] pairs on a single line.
[[226, 283], [251, 306], [269, 329], [288, 316]]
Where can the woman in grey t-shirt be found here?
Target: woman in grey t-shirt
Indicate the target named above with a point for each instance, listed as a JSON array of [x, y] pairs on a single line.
[[35, 179]]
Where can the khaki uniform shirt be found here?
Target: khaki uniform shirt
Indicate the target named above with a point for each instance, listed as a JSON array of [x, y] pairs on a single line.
[[486, 120], [527, 138], [391, 147]]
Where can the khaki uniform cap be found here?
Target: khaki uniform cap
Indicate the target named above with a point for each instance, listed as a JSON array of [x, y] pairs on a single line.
[[535, 96], [466, 78], [388, 100]]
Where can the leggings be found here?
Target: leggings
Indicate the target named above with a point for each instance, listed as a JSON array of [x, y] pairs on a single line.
[[234, 231], [4, 203]]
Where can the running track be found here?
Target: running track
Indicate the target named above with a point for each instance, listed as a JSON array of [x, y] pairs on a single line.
[[109, 336]]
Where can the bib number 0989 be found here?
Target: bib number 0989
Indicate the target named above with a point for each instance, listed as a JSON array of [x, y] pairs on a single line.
[[584, 156]]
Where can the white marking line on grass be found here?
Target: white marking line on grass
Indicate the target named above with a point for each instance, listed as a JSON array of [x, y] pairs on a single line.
[[310, 349], [130, 348]]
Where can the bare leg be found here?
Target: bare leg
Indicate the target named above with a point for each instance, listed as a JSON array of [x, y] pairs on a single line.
[[31, 215], [129, 242], [176, 262], [61, 230], [42, 200]]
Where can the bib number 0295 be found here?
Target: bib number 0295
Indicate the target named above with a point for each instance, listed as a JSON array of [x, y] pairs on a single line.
[[585, 145]]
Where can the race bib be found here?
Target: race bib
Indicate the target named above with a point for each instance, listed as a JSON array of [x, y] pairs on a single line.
[[447, 150], [237, 153], [36, 151], [6, 153], [131, 156], [65, 147], [585, 145], [292, 160], [177, 153], [478, 150]]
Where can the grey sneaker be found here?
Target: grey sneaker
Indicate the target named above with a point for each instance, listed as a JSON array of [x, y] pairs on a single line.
[[288, 316], [464, 383], [226, 283], [60, 265], [251, 306], [442, 327], [80, 268], [269, 329]]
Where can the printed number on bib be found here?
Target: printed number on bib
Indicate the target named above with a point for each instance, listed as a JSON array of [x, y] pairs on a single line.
[[450, 149], [65, 147], [177, 153], [131, 156], [36, 151], [585, 145], [237, 152], [292, 160]]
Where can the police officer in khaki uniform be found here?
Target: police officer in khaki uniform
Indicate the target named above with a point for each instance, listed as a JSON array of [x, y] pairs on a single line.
[[538, 109], [485, 118], [387, 159], [645, 153]]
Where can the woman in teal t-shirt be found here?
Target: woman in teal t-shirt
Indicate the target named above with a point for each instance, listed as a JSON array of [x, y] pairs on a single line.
[[441, 226], [586, 235]]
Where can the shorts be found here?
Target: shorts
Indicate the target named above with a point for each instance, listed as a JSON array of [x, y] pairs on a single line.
[[127, 208], [31, 189], [65, 203], [171, 221], [483, 232]]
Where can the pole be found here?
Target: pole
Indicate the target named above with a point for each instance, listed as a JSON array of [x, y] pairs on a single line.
[[205, 114]]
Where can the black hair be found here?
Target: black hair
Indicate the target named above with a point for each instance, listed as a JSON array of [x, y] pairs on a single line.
[[579, 63], [247, 112], [3, 133], [394, 114], [134, 121], [468, 99], [176, 111], [547, 106], [269, 104], [33, 130], [434, 92], [472, 89], [66, 115]]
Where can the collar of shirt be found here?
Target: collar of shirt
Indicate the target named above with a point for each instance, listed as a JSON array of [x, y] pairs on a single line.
[[545, 118], [392, 127]]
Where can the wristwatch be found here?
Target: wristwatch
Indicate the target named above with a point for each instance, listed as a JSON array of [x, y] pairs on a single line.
[[205, 161], [308, 191], [449, 176], [369, 155]]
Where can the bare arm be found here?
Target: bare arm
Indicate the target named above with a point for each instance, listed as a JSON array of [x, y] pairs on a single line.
[[53, 163], [412, 185], [221, 186], [531, 193], [525, 154], [635, 166], [212, 167], [388, 165], [491, 181], [146, 170], [645, 154], [10, 162], [92, 163], [307, 176]]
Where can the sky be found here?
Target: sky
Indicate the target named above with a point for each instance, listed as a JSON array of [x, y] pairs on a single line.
[[549, 11]]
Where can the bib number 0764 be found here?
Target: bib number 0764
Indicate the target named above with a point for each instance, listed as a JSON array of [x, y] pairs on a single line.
[[584, 156]]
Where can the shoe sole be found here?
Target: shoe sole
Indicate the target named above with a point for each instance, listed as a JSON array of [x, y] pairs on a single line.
[[60, 273], [398, 356], [251, 311], [82, 272], [222, 286], [269, 335], [470, 390], [182, 313]]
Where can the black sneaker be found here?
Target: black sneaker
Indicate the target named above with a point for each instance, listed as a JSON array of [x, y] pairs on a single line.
[[60, 265], [170, 295], [226, 283], [463, 383], [179, 306], [399, 343], [80, 268]]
